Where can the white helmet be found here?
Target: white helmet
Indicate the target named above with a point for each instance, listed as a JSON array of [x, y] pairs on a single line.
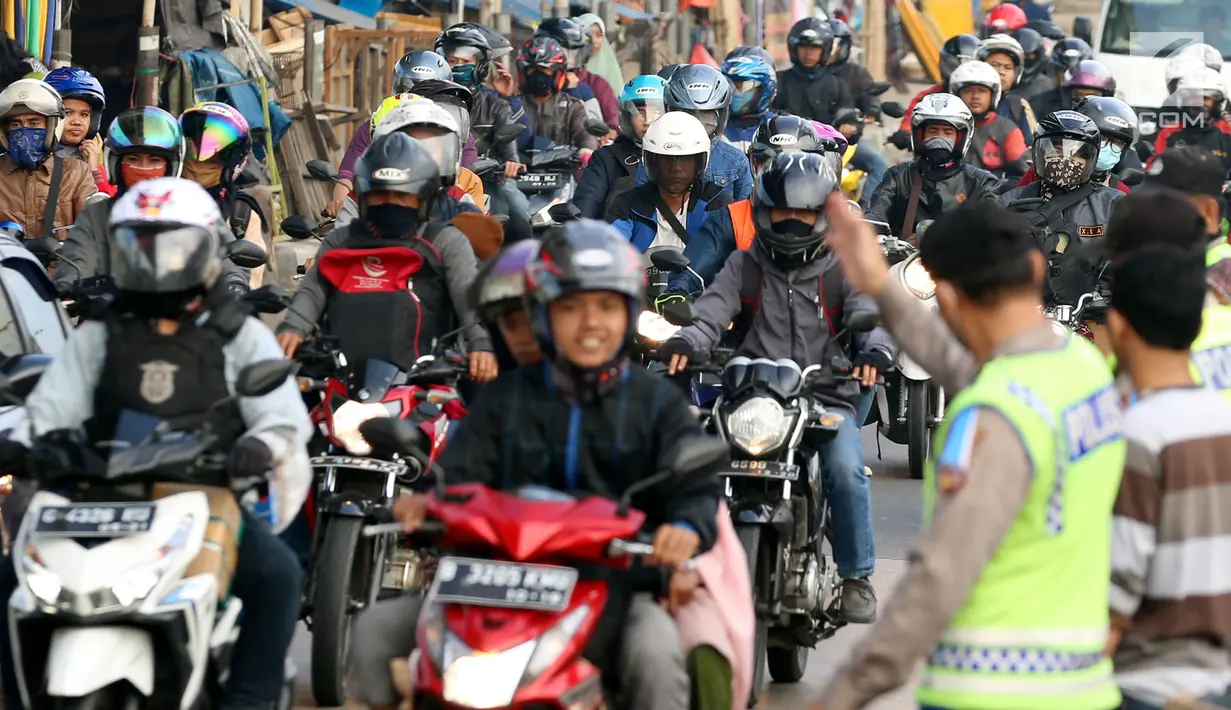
[[33, 96], [1188, 58], [1004, 44], [445, 147], [166, 236], [976, 73], [943, 108], [1199, 82], [675, 133]]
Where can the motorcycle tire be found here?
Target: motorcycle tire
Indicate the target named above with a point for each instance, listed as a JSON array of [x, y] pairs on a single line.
[[332, 608], [787, 665], [750, 540], [919, 434], [113, 697]]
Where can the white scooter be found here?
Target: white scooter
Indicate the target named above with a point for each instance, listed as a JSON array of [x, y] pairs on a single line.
[[105, 615]]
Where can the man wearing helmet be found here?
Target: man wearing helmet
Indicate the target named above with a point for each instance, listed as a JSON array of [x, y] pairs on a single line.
[[759, 289], [669, 209], [584, 290], [31, 121], [1196, 115], [556, 116], [171, 348], [1076, 75], [84, 102], [498, 297], [939, 178], [1035, 79], [807, 88], [857, 78], [1117, 124], [754, 83], [579, 47], [1006, 56], [612, 169], [704, 92], [956, 50], [997, 144], [1002, 19]]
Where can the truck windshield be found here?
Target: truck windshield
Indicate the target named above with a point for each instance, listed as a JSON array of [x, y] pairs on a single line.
[[1157, 28]]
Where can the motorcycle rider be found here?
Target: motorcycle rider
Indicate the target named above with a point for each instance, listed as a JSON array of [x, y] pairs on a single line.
[[498, 297], [584, 314], [788, 260], [704, 92], [38, 189], [754, 83], [671, 207], [997, 144], [1199, 175], [576, 41], [1034, 79], [613, 168], [1117, 124], [171, 319], [84, 102], [453, 99], [982, 581], [956, 51], [807, 88], [1088, 77], [556, 116], [1006, 56], [398, 179], [850, 124], [1185, 59], [853, 74], [1201, 95], [938, 179]]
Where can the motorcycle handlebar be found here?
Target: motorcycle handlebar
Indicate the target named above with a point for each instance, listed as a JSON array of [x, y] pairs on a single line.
[[627, 548], [429, 528]]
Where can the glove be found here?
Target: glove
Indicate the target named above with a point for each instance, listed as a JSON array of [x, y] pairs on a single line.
[[676, 346], [900, 140], [250, 458], [13, 455], [664, 299], [876, 358]]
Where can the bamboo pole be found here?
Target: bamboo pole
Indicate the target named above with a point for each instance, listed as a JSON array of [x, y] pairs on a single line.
[[147, 56]]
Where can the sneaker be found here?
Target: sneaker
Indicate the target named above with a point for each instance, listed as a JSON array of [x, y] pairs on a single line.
[[858, 601]]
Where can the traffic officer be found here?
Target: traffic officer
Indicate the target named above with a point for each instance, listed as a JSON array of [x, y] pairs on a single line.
[[1006, 593]]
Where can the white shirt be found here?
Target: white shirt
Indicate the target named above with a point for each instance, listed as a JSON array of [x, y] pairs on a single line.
[[666, 235]]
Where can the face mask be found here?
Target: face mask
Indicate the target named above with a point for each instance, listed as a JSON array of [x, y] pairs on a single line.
[[1108, 157], [938, 150], [394, 221], [164, 305], [792, 228], [742, 102], [132, 174], [26, 146], [205, 174], [539, 84], [464, 74], [1063, 172], [854, 137]]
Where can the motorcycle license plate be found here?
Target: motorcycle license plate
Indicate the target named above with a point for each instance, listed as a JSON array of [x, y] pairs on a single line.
[[105, 520], [763, 469], [462, 580], [540, 181], [395, 468]]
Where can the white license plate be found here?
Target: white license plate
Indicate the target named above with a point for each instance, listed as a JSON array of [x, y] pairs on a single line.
[[763, 469], [462, 580], [395, 468], [101, 520], [540, 180]]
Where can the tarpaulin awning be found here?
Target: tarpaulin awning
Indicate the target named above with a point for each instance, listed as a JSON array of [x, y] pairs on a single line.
[[526, 12], [327, 11]]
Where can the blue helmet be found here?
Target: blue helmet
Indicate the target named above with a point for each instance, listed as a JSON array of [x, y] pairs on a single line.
[[642, 95], [74, 83], [748, 98]]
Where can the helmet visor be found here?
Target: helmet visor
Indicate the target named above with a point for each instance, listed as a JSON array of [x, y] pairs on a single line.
[[444, 148], [144, 130], [638, 114], [1064, 162], [208, 136], [462, 54], [154, 259]]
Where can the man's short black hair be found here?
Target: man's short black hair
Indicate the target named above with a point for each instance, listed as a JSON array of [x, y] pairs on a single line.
[[982, 249], [1160, 291], [1156, 216]]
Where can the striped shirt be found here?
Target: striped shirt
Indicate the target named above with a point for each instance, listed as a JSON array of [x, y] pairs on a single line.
[[1170, 577]]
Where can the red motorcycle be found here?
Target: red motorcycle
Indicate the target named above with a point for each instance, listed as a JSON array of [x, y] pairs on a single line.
[[504, 626]]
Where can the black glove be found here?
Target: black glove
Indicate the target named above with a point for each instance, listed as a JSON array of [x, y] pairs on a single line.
[[900, 140], [665, 298], [676, 346], [250, 458], [13, 456], [876, 358]]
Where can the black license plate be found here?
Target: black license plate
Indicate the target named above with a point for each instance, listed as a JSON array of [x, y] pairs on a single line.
[[507, 584], [540, 181], [763, 469], [395, 468], [105, 520]]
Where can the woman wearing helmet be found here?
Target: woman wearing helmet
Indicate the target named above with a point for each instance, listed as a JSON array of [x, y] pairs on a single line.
[[996, 144], [669, 209], [613, 168], [806, 89], [1198, 115], [754, 83], [84, 102], [943, 129], [956, 50], [1006, 56], [498, 297], [579, 48], [31, 119], [398, 183], [704, 92], [1035, 78], [554, 115]]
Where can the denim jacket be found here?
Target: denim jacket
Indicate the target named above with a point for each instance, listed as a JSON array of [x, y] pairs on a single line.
[[727, 168]]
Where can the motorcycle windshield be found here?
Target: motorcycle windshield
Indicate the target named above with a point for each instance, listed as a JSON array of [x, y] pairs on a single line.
[[141, 444], [374, 378]]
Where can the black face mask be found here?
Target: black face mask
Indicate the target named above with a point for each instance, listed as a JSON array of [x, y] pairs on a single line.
[[163, 305], [938, 150], [393, 221], [792, 228], [539, 84]]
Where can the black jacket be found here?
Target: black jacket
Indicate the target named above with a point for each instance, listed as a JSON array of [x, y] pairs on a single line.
[[892, 196], [816, 98], [612, 169], [857, 80], [1047, 102], [491, 113], [521, 431], [1038, 84]]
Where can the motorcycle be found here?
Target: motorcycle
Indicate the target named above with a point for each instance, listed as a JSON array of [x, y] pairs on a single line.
[[505, 623], [122, 585], [551, 175], [1081, 319]]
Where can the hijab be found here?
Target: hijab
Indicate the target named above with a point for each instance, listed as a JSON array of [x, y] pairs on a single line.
[[604, 62]]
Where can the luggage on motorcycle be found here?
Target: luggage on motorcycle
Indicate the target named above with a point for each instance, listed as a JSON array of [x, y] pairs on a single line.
[[482, 231], [220, 548]]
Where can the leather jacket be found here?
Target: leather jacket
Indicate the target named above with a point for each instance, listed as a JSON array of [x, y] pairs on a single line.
[[889, 202], [491, 113], [561, 119]]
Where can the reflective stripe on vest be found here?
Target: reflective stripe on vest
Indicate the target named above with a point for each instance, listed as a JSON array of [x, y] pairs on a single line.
[[741, 223], [1211, 363], [1031, 632]]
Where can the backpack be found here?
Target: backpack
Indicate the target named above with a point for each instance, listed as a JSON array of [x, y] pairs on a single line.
[[752, 280]]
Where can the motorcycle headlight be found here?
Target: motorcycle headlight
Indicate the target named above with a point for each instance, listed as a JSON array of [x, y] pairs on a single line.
[[758, 426], [654, 327], [918, 281], [346, 420]]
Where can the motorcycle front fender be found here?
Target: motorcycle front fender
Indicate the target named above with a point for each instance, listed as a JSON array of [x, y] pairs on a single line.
[[776, 514], [911, 370], [82, 660]]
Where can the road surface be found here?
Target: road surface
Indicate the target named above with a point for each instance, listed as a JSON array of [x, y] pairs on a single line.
[[896, 509]]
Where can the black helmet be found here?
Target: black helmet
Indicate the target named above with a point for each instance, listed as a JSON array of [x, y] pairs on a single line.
[[783, 133], [797, 182], [544, 52], [572, 36], [957, 50], [810, 32], [398, 163], [669, 71], [471, 44], [1032, 46], [1114, 118], [500, 45], [1068, 53], [583, 255], [417, 66], [166, 237], [842, 43], [1066, 146], [744, 50], [704, 92]]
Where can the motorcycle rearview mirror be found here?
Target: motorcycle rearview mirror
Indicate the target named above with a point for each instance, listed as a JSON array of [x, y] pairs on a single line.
[[261, 378], [877, 88], [46, 248], [509, 132], [245, 254], [669, 260], [486, 168], [893, 109], [1132, 177], [298, 226], [322, 170], [597, 128], [270, 298], [681, 313], [20, 373], [692, 455], [564, 212], [863, 321]]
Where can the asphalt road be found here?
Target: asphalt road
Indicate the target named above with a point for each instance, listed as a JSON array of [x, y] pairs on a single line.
[[896, 518]]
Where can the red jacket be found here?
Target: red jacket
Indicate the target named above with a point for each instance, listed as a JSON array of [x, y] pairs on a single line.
[[1032, 176]]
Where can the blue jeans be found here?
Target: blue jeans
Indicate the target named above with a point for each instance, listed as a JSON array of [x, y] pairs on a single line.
[[850, 497], [507, 199], [874, 164], [863, 405]]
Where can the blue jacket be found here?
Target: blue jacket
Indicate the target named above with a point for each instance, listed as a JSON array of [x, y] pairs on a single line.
[[634, 212], [741, 135], [612, 170], [1006, 107], [727, 168], [707, 252]]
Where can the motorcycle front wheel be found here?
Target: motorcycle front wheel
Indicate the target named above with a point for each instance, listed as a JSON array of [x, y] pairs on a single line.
[[332, 608], [750, 540], [919, 434]]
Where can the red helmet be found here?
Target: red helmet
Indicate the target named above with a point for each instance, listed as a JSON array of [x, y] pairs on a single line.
[[1004, 18]]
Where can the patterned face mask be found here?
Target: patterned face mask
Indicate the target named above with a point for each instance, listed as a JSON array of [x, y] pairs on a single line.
[[27, 146]]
